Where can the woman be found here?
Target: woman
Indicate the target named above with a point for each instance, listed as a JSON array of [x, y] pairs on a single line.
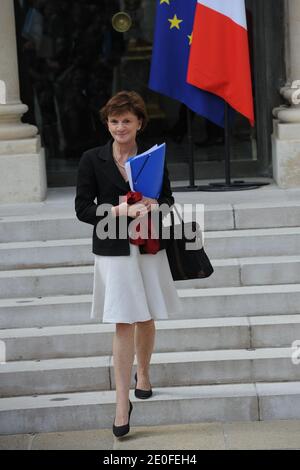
[[131, 288]]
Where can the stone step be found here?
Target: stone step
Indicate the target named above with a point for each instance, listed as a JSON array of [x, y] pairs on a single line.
[[170, 405], [41, 311], [266, 214], [167, 369], [218, 245], [171, 336], [40, 254], [252, 242], [64, 224], [79, 279], [41, 227]]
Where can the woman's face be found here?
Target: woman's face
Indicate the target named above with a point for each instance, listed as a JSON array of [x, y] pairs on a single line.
[[123, 127]]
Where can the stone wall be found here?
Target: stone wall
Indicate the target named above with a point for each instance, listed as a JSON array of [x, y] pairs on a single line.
[[286, 125]]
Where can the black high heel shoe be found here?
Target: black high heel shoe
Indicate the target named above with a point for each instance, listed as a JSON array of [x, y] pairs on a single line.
[[142, 394], [120, 431]]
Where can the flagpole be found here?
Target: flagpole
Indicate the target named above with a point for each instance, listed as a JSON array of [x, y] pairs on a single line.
[[191, 149], [191, 186], [238, 185], [227, 142]]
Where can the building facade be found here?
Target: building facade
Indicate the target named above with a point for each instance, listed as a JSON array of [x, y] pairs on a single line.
[[60, 61]]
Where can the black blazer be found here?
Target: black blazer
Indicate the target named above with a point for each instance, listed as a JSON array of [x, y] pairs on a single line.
[[98, 177]]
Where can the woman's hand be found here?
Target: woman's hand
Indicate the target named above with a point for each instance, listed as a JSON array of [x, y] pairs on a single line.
[[138, 209], [151, 204]]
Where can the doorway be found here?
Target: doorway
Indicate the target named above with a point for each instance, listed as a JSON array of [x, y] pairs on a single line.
[[71, 60]]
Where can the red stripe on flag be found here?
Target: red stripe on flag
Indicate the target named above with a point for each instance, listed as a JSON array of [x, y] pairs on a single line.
[[219, 60]]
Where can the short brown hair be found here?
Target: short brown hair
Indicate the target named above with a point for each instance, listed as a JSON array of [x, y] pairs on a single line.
[[123, 102]]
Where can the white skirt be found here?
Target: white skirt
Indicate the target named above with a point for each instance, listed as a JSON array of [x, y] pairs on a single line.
[[134, 288]]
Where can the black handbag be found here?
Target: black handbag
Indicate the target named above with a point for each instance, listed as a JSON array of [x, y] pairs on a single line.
[[186, 263]]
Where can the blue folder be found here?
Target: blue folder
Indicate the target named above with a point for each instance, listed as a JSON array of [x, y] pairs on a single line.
[[146, 171]]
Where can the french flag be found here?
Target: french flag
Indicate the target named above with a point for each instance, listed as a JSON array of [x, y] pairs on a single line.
[[219, 56]]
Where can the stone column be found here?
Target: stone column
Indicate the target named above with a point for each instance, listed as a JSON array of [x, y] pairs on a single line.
[[22, 161], [286, 124]]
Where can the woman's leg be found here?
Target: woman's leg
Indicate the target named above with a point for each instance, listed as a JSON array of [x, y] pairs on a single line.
[[144, 344], [123, 353]]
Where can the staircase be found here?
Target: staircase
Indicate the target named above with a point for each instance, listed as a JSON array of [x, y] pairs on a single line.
[[228, 358]]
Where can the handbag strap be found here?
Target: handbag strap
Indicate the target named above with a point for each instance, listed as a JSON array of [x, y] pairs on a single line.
[[173, 218], [181, 221], [177, 212]]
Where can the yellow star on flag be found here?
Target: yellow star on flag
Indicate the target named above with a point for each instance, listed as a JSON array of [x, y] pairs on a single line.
[[190, 36], [164, 1], [175, 22]]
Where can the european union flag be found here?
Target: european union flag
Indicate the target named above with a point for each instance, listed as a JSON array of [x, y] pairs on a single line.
[[171, 48]]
